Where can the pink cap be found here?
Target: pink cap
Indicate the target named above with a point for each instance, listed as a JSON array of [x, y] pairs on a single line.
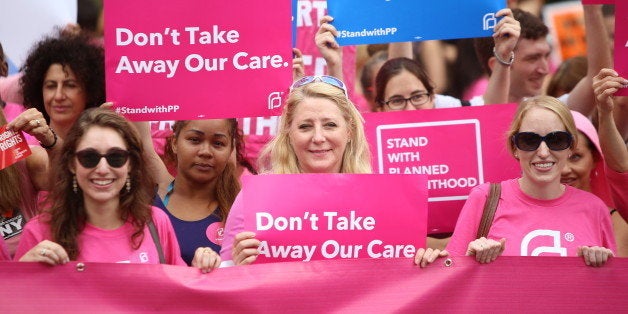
[[599, 184]]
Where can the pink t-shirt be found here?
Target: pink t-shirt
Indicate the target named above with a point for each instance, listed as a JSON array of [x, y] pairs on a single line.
[[535, 227], [111, 246], [618, 182]]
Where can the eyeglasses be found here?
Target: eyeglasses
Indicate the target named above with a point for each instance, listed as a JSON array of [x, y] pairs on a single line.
[[398, 103], [89, 158], [320, 78], [530, 141]]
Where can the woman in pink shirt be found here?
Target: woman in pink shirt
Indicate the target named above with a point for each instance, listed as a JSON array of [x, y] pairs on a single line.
[[536, 214], [99, 204]]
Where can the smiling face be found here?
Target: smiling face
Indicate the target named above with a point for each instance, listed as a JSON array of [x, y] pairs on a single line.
[[64, 96], [318, 135], [406, 85], [102, 184], [529, 69], [203, 148], [577, 171], [541, 167]]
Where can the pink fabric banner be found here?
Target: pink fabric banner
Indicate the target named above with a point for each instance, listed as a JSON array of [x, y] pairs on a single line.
[[197, 59], [508, 285], [621, 42], [457, 148], [335, 216]]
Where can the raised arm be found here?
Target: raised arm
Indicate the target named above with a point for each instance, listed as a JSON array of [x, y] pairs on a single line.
[[605, 85], [325, 39], [506, 34], [156, 166], [581, 98]]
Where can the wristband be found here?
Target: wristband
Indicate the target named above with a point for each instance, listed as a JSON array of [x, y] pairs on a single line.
[[504, 62], [53, 143]]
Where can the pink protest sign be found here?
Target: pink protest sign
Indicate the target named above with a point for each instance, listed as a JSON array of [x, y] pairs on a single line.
[[457, 148], [621, 42], [197, 59], [335, 216], [13, 147]]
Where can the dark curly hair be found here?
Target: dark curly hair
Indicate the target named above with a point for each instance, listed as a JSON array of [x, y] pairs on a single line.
[[66, 214], [87, 60]]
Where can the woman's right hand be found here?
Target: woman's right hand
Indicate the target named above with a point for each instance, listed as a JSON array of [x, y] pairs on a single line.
[[424, 257], [486, 250], [32, 122], [46, 252], [245, 248]]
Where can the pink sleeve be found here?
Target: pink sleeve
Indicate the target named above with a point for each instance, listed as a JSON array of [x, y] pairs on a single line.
[[233, 226], [34, 232], [468, 221], [618, 181], [608, 235], [168, 238], [4, 251]]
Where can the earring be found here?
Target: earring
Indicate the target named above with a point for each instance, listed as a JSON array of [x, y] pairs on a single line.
[[74, 185], [128, 184]]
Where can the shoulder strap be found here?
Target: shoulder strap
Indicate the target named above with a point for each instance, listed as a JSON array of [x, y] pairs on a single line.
[[489, 210], [155, 235]]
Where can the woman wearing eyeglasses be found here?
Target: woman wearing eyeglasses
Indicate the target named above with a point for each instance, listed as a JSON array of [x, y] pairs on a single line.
[[536, 214], [99, 206], [403, 84], [320, 131]]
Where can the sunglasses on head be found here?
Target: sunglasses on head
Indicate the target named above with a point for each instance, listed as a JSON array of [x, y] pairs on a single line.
[[530, 141], [319, 78], [89, 158]]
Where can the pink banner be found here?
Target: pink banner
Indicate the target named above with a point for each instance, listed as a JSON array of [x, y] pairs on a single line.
[[456, 148], [621, 42], [334, 216], [197, 59], [13, 147], [510, 284]]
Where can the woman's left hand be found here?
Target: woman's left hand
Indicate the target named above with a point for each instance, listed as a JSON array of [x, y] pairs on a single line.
[[206, 259], [595, 256]]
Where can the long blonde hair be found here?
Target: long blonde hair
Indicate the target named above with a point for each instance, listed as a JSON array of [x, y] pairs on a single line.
[[278, 155]]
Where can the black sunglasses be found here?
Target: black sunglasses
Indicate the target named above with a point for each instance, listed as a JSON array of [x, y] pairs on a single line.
[[530, 141], [89, 158]]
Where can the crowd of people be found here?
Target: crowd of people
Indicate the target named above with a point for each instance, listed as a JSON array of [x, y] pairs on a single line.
[[184, 208]]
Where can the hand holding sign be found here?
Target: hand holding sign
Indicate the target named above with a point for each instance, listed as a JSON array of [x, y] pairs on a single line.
[[506, 34]]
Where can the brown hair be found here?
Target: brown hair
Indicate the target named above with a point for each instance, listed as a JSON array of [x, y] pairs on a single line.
[[67, 215], [227, 184]]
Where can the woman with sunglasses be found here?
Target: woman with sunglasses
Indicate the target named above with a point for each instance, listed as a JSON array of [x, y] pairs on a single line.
[[99, 206], [536, 214], [320, 131]]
